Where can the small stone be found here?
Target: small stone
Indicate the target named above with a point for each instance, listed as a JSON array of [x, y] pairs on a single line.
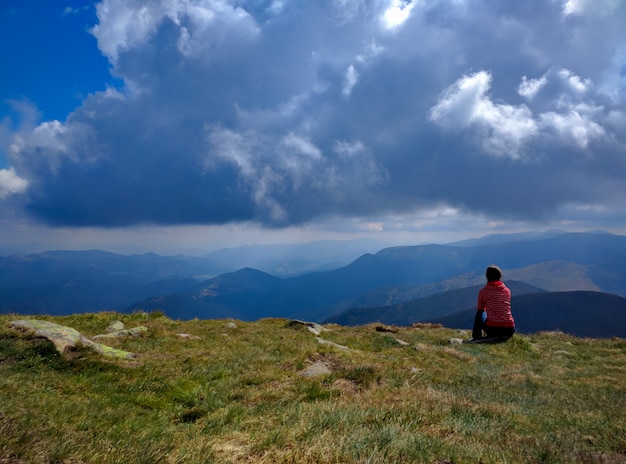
[[326, 342], [115, 326], [230, 325], [312, 325], [313, 330], [562, 353], [134, 332], [456, 341]]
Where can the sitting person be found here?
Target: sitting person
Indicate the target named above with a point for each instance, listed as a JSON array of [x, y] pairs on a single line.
[[493, 315]]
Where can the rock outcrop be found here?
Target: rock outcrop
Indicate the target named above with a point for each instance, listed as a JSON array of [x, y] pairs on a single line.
[[134, 332], [312, 327], [66, 339]]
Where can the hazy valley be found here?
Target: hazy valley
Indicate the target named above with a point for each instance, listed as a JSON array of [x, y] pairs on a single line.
[[397, 285]]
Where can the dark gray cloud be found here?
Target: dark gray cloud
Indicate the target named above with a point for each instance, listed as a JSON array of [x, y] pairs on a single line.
[[284, 112]]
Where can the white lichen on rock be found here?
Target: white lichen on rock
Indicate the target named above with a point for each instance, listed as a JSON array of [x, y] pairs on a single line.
[[66, 339]]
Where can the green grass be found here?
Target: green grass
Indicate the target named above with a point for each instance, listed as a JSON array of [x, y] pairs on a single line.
[[238, 396]]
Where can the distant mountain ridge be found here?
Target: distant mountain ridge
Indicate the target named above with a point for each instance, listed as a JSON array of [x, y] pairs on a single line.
[[580, 313], [550, 276], [285, 260], [65, 282], [493, 239], [561, 261], [318, 296], [427, 309]]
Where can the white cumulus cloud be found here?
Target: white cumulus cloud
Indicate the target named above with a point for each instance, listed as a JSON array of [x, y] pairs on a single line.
[[530, 87], [350, 80], [397, 13], [467, 103], [280, 113], [505, 129], [573, 127], [10, 183], [200, 24], [574, 82]]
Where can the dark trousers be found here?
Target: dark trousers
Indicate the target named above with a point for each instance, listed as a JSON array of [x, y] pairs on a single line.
[[480, 325]]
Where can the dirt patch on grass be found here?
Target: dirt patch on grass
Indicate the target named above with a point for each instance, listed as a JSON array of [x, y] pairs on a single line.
[[345, 387], [460, 355], [331, 361], [233, 449]]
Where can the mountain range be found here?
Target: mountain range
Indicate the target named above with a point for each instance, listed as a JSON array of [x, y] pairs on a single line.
[[395, 280], [66, 282]]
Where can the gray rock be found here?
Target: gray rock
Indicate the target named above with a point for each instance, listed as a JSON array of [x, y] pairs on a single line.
[[313, 331], [562, 353], [134, 332], [311, 325], [333, 344], [115, 326], [66, 339]]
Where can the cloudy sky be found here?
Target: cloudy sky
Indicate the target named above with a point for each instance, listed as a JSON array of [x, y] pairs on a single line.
[[196, 124]]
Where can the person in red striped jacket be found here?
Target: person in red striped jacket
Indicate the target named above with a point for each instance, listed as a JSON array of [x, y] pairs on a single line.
[[493, 315]]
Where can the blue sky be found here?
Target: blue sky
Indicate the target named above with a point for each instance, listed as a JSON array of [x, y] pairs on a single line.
[[48, 56], [193, 124]]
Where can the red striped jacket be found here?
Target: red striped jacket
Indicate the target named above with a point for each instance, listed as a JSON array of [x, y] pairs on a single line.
[[495, 298]]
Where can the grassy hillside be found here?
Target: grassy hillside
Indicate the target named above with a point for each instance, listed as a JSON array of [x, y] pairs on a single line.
[[238, 395]]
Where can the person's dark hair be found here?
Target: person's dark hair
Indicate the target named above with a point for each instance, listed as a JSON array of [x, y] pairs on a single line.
[[493, 273]]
